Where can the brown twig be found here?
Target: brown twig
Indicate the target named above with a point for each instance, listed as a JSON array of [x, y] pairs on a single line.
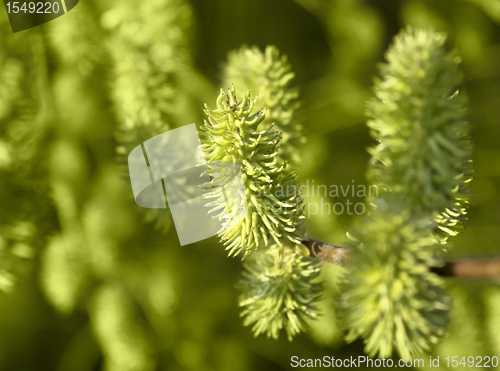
[[471, 268], [464, 268]]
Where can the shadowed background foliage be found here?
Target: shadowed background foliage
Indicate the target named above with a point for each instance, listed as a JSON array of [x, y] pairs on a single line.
[[90, 281]]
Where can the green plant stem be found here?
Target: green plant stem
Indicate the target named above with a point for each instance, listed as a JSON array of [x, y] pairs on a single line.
[[463, 268]]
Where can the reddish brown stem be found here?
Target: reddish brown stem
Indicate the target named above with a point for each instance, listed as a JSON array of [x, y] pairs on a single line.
[[471, 268], [485, 268]]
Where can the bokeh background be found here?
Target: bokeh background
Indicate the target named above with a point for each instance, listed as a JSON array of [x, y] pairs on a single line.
[[89, 281]]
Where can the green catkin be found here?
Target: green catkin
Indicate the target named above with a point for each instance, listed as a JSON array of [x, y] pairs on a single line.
[[268, 74], [231, 133], [390, 298], [421, 165], [150, 56], [117, 325], [417, 117], [279, 290], [25, 213], [66, 269], [154, 86], [279, 293]]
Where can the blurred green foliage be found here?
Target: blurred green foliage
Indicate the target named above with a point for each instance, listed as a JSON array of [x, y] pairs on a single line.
[[131, 298]]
